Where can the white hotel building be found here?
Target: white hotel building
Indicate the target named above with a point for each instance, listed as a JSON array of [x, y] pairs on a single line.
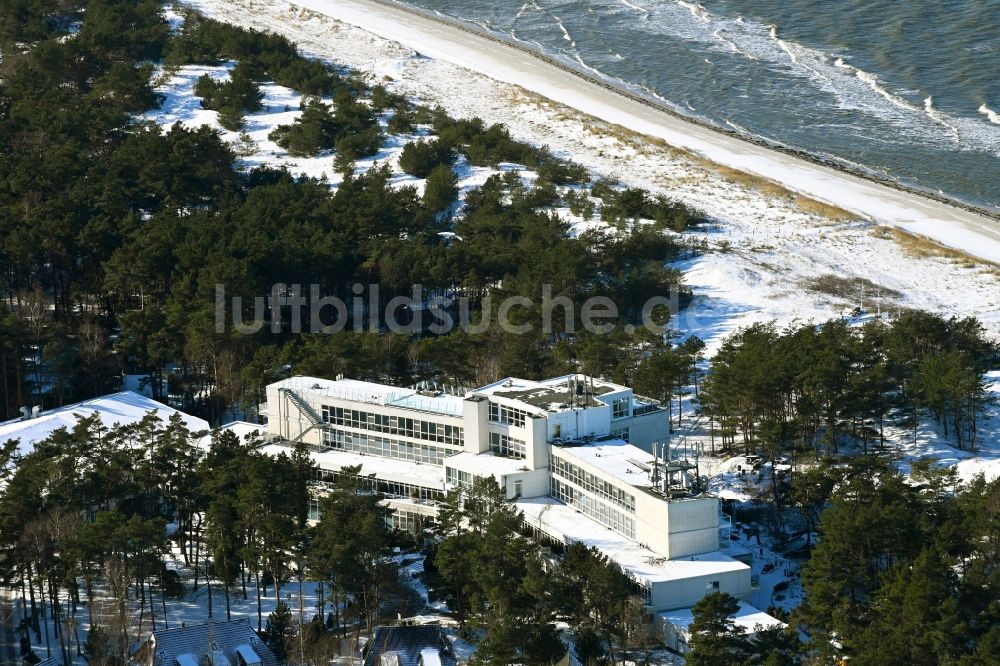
[[573, 453]]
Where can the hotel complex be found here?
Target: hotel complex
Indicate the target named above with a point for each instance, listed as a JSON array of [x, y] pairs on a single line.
[[581, 458]]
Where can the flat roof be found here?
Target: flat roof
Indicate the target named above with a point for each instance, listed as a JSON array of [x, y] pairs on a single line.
[[115, 409], [486, 464], [746, 618], [570, 526], [240, 428], [614, 457], [551, 395], [389, 469], [376, 394]]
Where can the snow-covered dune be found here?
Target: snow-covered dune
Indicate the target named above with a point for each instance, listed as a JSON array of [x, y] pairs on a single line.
[[763, 249]]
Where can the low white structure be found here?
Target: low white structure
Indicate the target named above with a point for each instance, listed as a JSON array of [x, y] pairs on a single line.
[[579, 456], [676, 624], [121, 408]]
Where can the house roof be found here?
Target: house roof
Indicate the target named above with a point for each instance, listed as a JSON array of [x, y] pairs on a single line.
[[117, 408], [410, 646], [746, 619], [179, 646]]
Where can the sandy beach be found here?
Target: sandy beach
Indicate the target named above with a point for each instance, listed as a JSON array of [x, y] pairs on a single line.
[[765, 255], [952, 226]]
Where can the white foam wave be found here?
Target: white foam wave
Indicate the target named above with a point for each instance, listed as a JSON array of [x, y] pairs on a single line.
[[935, 115], [525, 7], [738, 128], [718, 35], [790, 49], [568, 37], [839, 62], [636, 7], [993, 116], [598, 72], [873, 83], [696, 10]]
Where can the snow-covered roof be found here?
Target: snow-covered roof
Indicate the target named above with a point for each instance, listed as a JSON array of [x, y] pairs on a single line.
[[565, 523], [746, 619], [372, 393], [427, 475], [551, 395], [485, 464], [614, 457], [208, 642], [115, 409], [240, 428]]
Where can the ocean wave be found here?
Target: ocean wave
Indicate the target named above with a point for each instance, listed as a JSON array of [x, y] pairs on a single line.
[[696, 10], [872, 81], [993, 116], [562, 26], [788, 48], [936, 116], [641, 10], [591, 69], [718, 35]]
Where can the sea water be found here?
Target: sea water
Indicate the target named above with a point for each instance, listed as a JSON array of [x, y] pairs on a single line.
[[908, 90]]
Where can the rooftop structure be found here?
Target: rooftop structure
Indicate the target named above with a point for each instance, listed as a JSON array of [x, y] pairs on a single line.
[[352, 390]]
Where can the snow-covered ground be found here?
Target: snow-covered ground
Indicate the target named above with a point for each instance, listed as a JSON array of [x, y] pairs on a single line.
[[762, 249], [192, 608]]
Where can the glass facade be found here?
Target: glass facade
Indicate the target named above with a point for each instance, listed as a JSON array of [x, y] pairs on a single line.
[[592, 484], [593, 508], [394, 425], [457, 477], [509, 447], [394, 489], [385, 447], [620, 433], [509, 415], [406, 521], [619, 408]]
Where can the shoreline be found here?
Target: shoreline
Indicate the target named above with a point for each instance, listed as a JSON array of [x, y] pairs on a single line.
[[948, 222], [649, 100]]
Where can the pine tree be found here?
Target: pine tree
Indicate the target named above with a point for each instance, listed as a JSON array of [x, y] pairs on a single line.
[[279, 629], [715, 641]]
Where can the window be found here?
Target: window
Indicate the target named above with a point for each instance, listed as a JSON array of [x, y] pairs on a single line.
[[593, 507], [518, 488], [619, 408], [314, 508], [592, 484], [384, 447], [506, 446], [456, 477], [714, 585], [509, 415], [620, 433], [394, 425]]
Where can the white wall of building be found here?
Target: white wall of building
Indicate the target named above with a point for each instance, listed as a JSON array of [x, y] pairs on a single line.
[[692, 526], [686, 592]]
